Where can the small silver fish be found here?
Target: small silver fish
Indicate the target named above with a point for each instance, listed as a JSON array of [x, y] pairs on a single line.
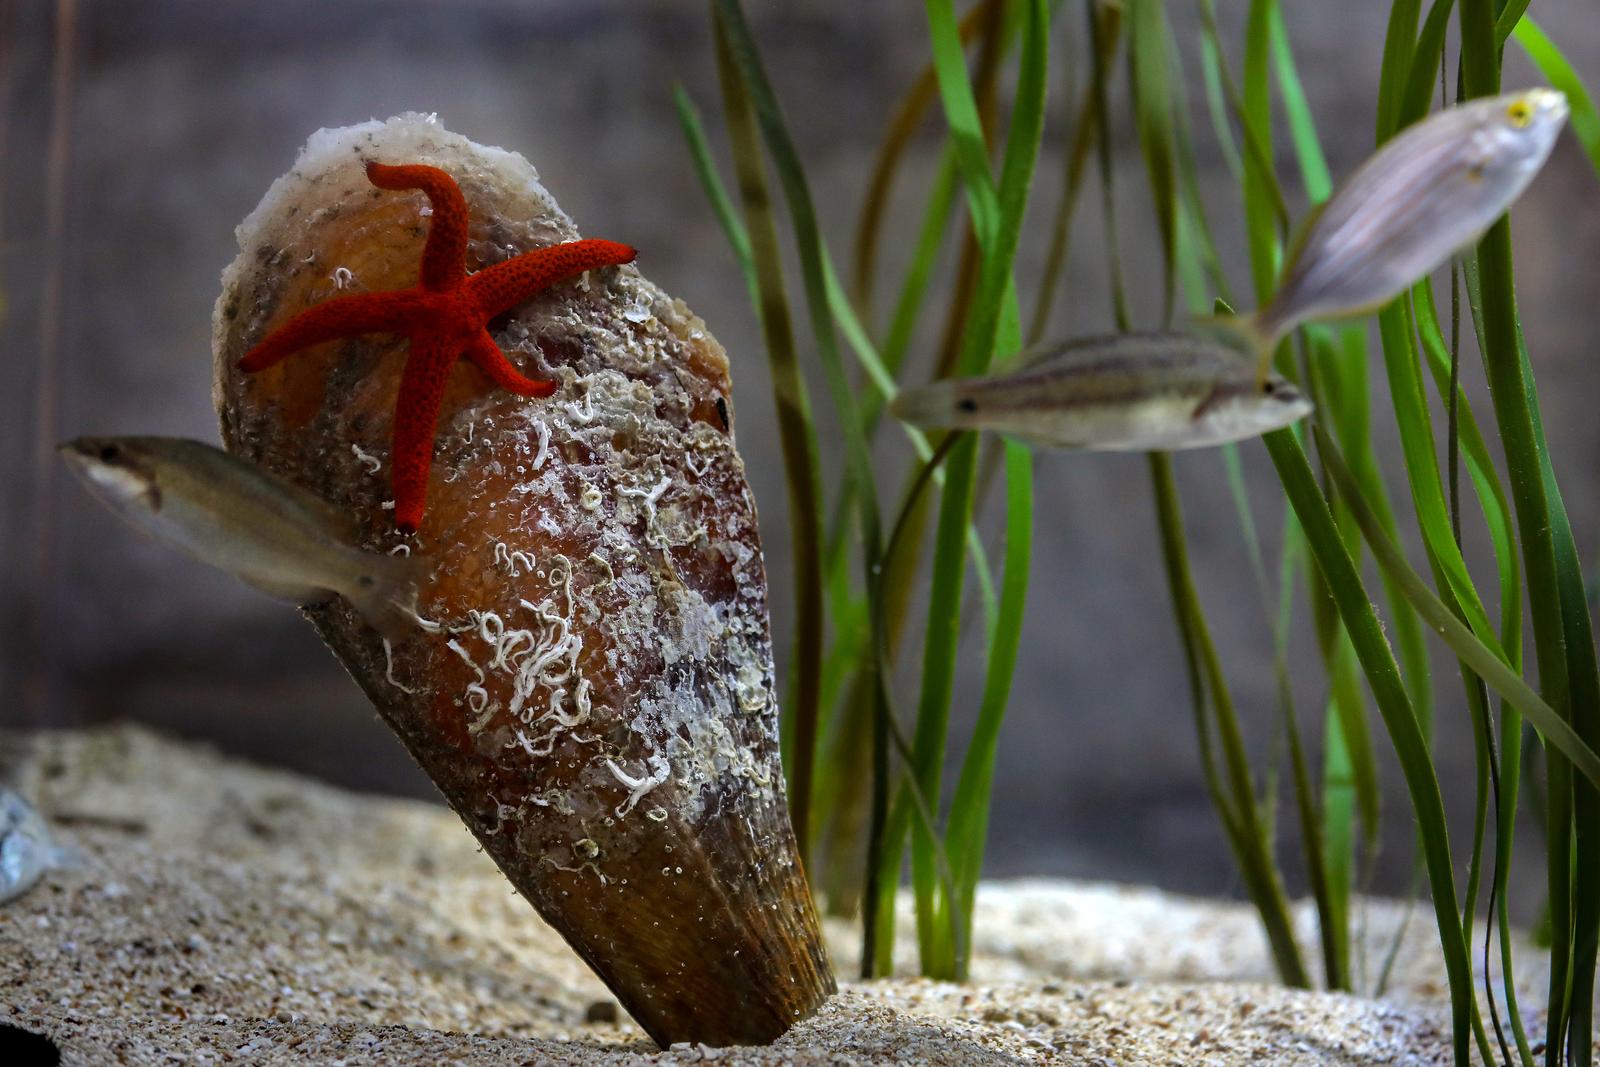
[[26, 850], [1431, 190], [233, 515], [1132, 392]]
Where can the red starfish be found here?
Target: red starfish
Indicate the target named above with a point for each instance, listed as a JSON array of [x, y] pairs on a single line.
[[445, 317]]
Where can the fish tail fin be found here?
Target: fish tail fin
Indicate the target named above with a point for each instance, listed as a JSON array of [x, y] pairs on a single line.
[[1251, 334], [386, 593], [930, 406]]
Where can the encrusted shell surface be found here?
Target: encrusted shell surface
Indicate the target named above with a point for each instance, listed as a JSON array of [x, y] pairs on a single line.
[[595, 699]]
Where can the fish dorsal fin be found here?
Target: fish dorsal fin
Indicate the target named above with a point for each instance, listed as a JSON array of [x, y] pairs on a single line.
[[1094, 346], [1233, 333], [339, 522]]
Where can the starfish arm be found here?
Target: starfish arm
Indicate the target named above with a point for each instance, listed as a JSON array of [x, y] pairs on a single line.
[[500, 288], [444, 257], [343, 316], [416, 416], [487, 357]]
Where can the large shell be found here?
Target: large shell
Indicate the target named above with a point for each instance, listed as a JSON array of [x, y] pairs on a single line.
[[598, 704]]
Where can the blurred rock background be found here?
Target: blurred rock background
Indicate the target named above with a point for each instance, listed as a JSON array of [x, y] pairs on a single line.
[[165, 120]]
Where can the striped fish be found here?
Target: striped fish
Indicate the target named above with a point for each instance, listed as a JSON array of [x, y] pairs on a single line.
[[1131, 392]]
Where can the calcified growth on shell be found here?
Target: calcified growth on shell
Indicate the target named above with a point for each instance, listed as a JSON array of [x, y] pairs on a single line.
[[592, 688]]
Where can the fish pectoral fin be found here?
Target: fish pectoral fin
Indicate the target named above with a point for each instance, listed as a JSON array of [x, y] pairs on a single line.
[[1206, 405]]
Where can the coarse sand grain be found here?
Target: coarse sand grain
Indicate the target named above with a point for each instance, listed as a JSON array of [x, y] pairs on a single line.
[[222, 913]]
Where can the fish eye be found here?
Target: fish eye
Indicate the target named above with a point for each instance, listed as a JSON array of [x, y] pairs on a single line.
[[1281, 391], [1519, 113], [110, 453], [966, 405]]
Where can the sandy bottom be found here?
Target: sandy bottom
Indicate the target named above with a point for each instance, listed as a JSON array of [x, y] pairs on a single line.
[[221, 913]]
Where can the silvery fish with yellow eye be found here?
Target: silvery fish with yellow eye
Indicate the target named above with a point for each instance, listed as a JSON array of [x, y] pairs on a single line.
[[1431, 190], [1130, 392]]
